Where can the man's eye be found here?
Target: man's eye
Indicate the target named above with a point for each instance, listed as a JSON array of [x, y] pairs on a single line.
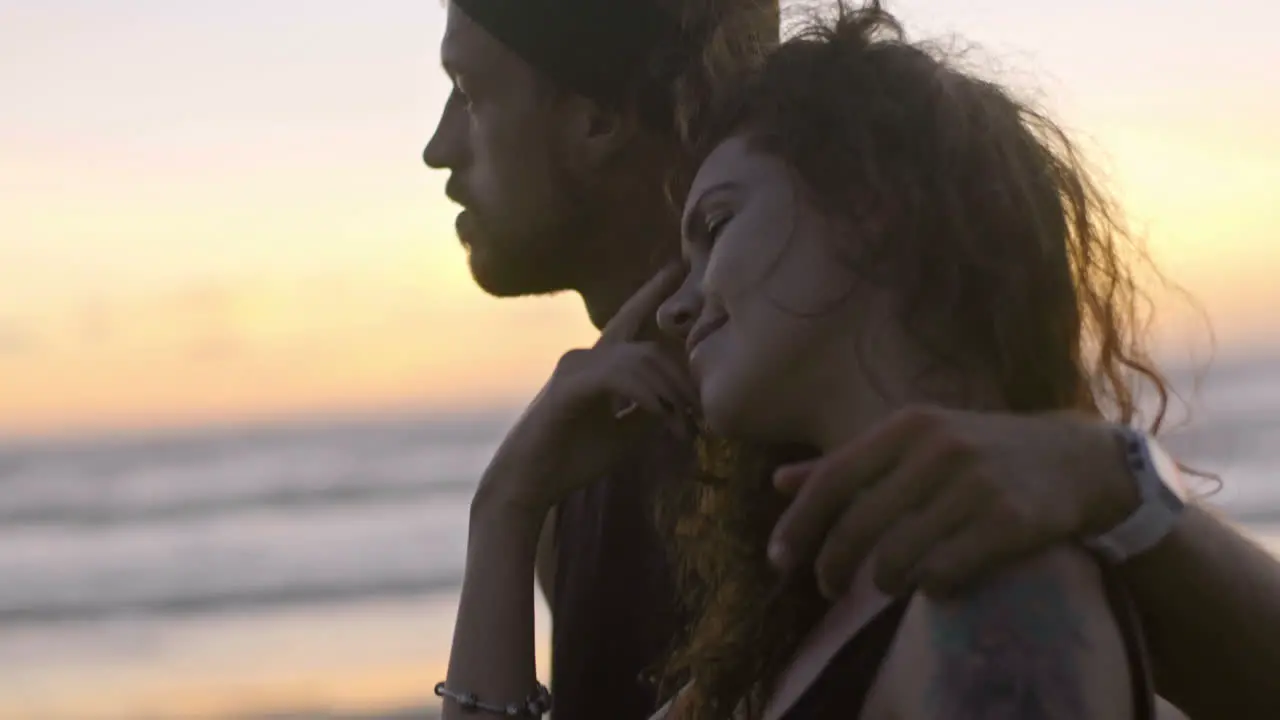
[[460, 92]]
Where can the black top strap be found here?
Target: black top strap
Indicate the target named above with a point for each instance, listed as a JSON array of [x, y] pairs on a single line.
[[842, 689]]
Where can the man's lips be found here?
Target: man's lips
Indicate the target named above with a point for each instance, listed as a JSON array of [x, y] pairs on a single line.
[[701, 331], [453, 191], [462, 225]]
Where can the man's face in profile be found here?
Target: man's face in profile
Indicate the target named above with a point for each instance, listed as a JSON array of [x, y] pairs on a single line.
[[498, 138]]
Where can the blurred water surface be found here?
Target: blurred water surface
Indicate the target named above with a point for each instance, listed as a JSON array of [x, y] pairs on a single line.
[[238, 571]]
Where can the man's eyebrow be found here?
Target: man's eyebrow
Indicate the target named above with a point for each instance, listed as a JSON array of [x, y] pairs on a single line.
[[696, 211], [451, 61], [455, 67]]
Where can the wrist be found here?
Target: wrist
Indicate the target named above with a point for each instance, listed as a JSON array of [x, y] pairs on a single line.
[[1116, 496], [1161, 498]]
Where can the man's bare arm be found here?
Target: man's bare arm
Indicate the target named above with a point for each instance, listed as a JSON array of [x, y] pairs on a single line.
[[1210, 600], [1036, 642]]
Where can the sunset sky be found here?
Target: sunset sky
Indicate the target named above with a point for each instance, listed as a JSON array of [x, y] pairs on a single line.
[[217, 210]]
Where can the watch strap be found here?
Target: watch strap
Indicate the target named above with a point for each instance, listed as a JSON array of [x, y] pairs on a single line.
[[1160, 504]]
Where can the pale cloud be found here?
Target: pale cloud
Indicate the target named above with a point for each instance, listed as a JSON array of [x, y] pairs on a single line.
[[17, 340], [95, 324]]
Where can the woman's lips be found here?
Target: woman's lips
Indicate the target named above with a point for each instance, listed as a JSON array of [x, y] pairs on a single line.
[[703, 330]]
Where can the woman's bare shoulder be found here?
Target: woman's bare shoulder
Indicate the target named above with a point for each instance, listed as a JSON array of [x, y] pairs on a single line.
[[1037, 640]]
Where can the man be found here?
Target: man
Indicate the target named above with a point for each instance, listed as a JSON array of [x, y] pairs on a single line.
[[560, 143]]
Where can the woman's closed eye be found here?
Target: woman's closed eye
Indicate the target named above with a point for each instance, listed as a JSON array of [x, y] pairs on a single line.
[[702, 233], [713, 225]]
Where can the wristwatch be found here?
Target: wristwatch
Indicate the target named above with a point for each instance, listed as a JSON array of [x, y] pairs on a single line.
[[1162, 493]]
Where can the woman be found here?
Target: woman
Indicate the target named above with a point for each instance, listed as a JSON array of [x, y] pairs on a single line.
[[871, 228]]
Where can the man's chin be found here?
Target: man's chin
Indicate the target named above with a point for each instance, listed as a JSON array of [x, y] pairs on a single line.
[[501, 279]]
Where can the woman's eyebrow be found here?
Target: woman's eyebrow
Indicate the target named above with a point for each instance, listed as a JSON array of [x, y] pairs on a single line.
[[696, 212]]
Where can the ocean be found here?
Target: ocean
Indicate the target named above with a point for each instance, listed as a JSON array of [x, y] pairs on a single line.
[[311, 569]]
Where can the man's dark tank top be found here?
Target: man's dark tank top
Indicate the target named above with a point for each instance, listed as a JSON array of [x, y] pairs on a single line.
[[615, 609], [616, 616]]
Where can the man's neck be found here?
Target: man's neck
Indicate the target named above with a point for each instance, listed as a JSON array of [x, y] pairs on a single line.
[[640, 252], [604, 295]]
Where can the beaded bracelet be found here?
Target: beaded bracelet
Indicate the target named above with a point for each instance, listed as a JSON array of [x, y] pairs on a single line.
[[535, 706]]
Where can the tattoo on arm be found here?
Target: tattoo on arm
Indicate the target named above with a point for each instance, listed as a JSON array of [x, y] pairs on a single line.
[[1008, 651]]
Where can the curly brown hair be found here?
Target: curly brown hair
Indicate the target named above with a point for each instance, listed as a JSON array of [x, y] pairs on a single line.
[[982, 207]]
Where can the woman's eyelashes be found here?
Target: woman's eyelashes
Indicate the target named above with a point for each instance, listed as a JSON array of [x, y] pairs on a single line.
[[713, 225], [703, 228]]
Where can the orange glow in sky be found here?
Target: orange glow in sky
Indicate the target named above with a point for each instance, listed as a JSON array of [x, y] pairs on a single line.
[[214, 210]]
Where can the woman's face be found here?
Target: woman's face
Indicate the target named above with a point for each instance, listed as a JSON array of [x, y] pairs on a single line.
[[770, 312]]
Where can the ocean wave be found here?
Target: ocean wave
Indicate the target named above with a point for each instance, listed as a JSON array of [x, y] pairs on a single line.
[[258, 519], [90, 610], [83, 515], [153, 481], [343, 551]]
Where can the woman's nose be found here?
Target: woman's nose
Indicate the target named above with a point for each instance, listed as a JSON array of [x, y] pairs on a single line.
[[677, 315]]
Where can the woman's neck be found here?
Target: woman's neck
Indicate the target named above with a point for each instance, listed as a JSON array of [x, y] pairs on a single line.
[[851, 413]]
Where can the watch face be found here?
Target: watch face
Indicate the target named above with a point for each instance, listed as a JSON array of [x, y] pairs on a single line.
[[1167, 469]]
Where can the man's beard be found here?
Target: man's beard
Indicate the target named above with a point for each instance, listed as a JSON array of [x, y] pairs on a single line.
[[538, 257], [533, 260]]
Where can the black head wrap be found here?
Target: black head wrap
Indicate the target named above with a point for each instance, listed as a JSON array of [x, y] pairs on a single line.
[[602, 49]]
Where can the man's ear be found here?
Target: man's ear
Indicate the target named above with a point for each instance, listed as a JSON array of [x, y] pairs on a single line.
[[595, 134]]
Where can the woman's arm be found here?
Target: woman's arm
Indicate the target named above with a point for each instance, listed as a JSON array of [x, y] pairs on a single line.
[[1036, 641], [493, 639], [547, 559], [570, 435], [1210, 600]]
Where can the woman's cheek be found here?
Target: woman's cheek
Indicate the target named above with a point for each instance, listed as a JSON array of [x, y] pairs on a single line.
[[713, 275], [730, 270]]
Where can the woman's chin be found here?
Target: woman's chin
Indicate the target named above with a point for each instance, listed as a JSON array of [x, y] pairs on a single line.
[[726, 414], [719, 419]]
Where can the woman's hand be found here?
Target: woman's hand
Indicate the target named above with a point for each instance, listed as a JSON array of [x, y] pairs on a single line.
[[570, 435], [595, 405]]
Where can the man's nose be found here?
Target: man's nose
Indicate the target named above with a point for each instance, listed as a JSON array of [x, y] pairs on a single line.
[[434, 153], [446, 144]]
